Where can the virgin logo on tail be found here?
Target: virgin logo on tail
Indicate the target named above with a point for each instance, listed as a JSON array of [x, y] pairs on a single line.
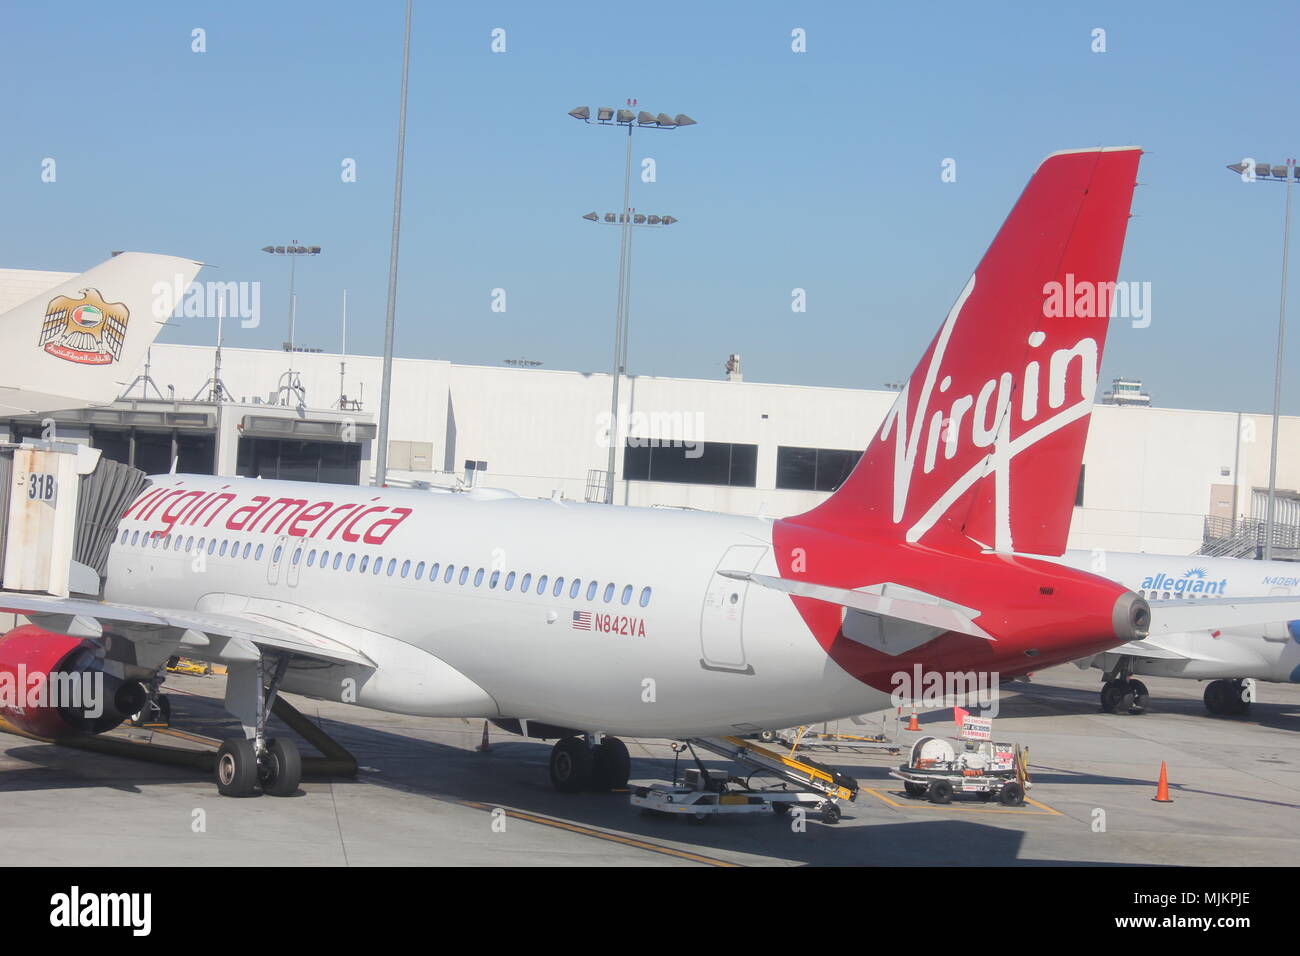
[[983, 447], [983, 419]]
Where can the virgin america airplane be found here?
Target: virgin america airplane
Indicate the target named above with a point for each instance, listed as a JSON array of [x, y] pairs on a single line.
[[582, 621]]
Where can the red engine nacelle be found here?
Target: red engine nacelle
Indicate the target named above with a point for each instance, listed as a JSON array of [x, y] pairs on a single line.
[[53, 685]]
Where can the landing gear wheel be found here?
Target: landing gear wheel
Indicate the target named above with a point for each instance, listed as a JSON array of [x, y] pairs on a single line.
[[610, 765], [1140, 697], [913, 789], [1012, 795], [280, 771], [830, 813], [237, 768], [941, 792], [1112, 694], [1224, 697], [571, 762]]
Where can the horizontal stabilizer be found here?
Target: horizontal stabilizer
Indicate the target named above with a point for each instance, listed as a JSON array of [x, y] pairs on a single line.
[[939, 615], [1211, 614], [1148, 650]]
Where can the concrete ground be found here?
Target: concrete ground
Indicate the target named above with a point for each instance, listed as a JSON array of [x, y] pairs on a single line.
[[424, 796]]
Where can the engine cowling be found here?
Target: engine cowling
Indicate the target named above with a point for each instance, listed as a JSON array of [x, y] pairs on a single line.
[[53, 685]]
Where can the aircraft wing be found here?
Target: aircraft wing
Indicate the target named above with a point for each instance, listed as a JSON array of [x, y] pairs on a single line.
[[1211, 614], [940, 615], [202, 634], [1150, 651]]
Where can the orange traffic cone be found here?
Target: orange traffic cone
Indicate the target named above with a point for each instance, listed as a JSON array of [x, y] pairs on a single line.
[[913, 724], [484, 747], [1162, 788]]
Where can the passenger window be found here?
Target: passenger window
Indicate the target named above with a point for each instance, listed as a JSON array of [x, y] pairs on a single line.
[[559, 587], [297, 555], [433, 571], [645, 596], [627, 594], [212, 547], [189, 543], [495, 579], [591, 591], [378, 566], [338, 556], [527, 580], [177, 545], [311, 558], [258, 555], [224, 545], [419, 570], [365, 563], [464, 575], [574, 589], [352, 559], [135, 537], [609, 593], [478, 577], [446, 578], [324, 559], [392, 566], [510, 580], [541, 584], [248, 546]]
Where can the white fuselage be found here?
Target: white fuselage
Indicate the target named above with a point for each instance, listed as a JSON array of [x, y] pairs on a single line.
[[1270, 653], [649, 640]]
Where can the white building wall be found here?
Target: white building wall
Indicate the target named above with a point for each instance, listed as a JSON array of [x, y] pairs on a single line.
[[1149, 471]]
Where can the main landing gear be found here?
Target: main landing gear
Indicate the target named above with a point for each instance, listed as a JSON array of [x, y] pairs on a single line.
[[245, 764], [582, 763], [1228, 698], [1124, 696]]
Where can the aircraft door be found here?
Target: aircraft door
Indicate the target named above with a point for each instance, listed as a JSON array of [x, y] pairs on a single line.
[[295, 552], [278, 555], [721, 636]]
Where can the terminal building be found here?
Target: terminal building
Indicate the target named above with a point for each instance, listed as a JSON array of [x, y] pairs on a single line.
[[1158, 480]]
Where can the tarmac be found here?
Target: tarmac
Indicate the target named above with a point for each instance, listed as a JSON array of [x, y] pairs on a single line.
[[425, 796]]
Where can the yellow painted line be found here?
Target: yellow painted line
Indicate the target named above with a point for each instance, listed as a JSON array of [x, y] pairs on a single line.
[[183, 735], [601, 834], [1042, 811]]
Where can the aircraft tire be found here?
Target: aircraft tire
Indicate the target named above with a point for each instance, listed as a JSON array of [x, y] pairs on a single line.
[[571, 762], [236, 768], [281, 772], [611, 765]]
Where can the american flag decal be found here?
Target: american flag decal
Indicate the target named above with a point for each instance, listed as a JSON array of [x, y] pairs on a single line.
[[582, 620]]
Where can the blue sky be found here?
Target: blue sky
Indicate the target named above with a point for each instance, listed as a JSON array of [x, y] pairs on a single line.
[[818, 170]]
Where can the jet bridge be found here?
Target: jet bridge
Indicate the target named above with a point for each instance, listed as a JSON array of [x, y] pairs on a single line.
[[60, 505]]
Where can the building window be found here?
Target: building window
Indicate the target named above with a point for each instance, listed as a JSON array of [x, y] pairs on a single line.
[[701, 463], [813, 469]]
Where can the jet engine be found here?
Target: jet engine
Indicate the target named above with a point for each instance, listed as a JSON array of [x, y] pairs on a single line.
[[53, 685]]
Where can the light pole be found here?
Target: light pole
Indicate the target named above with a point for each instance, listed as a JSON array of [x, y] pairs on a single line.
[[1250, 171], [386, 387], [608, 116], [293, 251]]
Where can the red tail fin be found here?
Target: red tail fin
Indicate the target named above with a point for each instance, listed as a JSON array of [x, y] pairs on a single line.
[[986, 439]]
